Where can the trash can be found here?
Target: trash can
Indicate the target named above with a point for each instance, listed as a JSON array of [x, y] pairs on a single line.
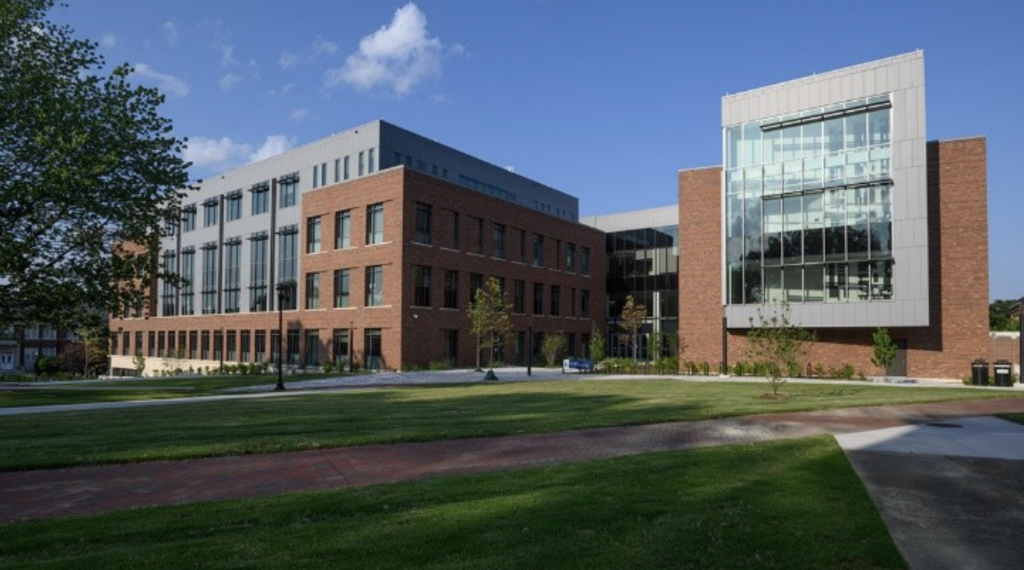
[[979, 372], [1003, 373]]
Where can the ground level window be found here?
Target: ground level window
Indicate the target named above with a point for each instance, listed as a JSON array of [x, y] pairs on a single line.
[[372, 349]]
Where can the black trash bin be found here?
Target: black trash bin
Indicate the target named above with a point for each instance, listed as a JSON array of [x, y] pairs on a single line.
[[1002, 372], [979, 373]]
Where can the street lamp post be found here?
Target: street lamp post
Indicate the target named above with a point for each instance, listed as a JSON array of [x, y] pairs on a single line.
[[281, 289]]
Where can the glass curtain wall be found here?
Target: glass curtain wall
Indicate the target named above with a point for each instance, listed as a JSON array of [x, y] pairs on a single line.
[[808, 202], [644, 263]]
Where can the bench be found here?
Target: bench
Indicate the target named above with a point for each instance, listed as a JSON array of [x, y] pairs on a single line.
[[578, 365]]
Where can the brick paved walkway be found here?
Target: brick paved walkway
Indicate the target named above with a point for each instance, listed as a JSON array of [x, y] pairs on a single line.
[[87, 490]]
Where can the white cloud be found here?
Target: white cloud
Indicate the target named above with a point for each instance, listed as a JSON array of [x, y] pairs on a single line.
[[282, 90], [224, 153], [227, 55], [171, 32], [108, 40], [272, 146], [164, 81], [229, 80], [322, 47], [395, 57], [287, 59], [299, 113], [215, 153]]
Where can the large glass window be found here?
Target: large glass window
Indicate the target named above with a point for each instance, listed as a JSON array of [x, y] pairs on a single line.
[[312, 290], [421, 292], [232, 275], [258, 272], [288, 241], [343, 229], [375, 223], [808, 206], [209, 279], [451, 289], [424, 213], [313, 234], [341, 285], [374, 286], [289, 189]]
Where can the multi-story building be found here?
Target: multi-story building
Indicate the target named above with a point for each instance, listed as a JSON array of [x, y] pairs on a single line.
[[832, 201], [371, 242], [642, 255], [21, 348]]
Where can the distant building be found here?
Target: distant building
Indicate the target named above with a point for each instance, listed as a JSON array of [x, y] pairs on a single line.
[[20, 349], [386, 236]]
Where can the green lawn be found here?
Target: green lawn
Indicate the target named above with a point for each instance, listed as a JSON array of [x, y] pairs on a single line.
[[790, 504], [1019, 418], [407, 414], [45, 394]]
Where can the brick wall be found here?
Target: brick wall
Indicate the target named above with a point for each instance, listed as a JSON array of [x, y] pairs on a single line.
[[700, 265]]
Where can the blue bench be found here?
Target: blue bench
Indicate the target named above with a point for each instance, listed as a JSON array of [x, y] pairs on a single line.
[[578, 365]]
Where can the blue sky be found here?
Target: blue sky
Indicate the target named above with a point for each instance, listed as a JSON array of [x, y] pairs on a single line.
[[604, 100]]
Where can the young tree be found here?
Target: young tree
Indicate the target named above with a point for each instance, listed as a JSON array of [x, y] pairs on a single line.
[[490, 315], [139, 362], [553, 347], [596, 347], [86, 165], [778, 343], [632, 318], [885, 350]]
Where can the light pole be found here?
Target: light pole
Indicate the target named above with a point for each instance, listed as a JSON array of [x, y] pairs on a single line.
[[282, 288]]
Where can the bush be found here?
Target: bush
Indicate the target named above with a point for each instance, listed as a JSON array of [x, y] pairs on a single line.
[[739, 369], [705, 368], [760, 369], [793, 369], [327, 367], [847, 372], [669, 363], [439, 365], [819, 371]]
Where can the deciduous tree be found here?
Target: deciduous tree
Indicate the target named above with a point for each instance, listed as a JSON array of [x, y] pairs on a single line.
[[491, 316], [778, 343], [87, 165]]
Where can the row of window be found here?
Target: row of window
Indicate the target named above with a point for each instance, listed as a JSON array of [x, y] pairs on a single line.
[[251, 346], [366, 163], [343, 229], [565, 258]]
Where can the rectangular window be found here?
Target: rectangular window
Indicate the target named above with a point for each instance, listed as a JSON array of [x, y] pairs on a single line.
[[538, 250], [293, 347], [230, 353], [337, 170], [340, 288], [188, 218], [218, 345], [522, 246], [169, 293], [126, 348], [556, 300], [476, 282], [151, 344], [362, 163], [346, 169], [499, 241], [243, 348], [275, 346], [341, 346], [312, 291], [372, 160], [343, 229], [323, 174], [572, 302], [258, 273], [375, 223], [234, 206], [538, 298], [260, 199], [312, 354], [570, 257], [558, 254], [421, 291], [313, 234], [289, 266], [455, 230], [204, 347], [372, 349], [289, 186], [172, 351], [585, 260], [374, 286], [210, 213], [451, 289], [424, 213], [480, 236], [519, 297], [585, 304], [209, 279], [451, 345], [232, 275], [316, 175], [260, 347]]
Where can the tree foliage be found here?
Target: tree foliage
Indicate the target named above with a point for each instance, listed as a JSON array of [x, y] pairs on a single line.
[[553, 347], [884, 350], [778, 343], [596, 345], [632, 318], [87, 165], [999, 318], [491, 316]]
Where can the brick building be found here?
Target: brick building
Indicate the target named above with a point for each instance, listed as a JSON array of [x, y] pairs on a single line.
[[832, 201], [372, 241]]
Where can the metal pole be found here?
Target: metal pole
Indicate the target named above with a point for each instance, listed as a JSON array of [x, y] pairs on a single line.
[[280, 334], [351, 346]]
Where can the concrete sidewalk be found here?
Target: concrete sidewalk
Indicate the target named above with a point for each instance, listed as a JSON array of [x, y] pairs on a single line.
[[88, 490]]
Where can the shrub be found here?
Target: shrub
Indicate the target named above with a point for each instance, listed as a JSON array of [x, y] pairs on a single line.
[[819, 371], [439, 365], [793, 369], [847, 372], [327, 367], [739, 369], [669, 363]]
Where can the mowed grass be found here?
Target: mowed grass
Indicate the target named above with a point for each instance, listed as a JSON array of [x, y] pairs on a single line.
[[88, 392], [789, 504], [340, 419]]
